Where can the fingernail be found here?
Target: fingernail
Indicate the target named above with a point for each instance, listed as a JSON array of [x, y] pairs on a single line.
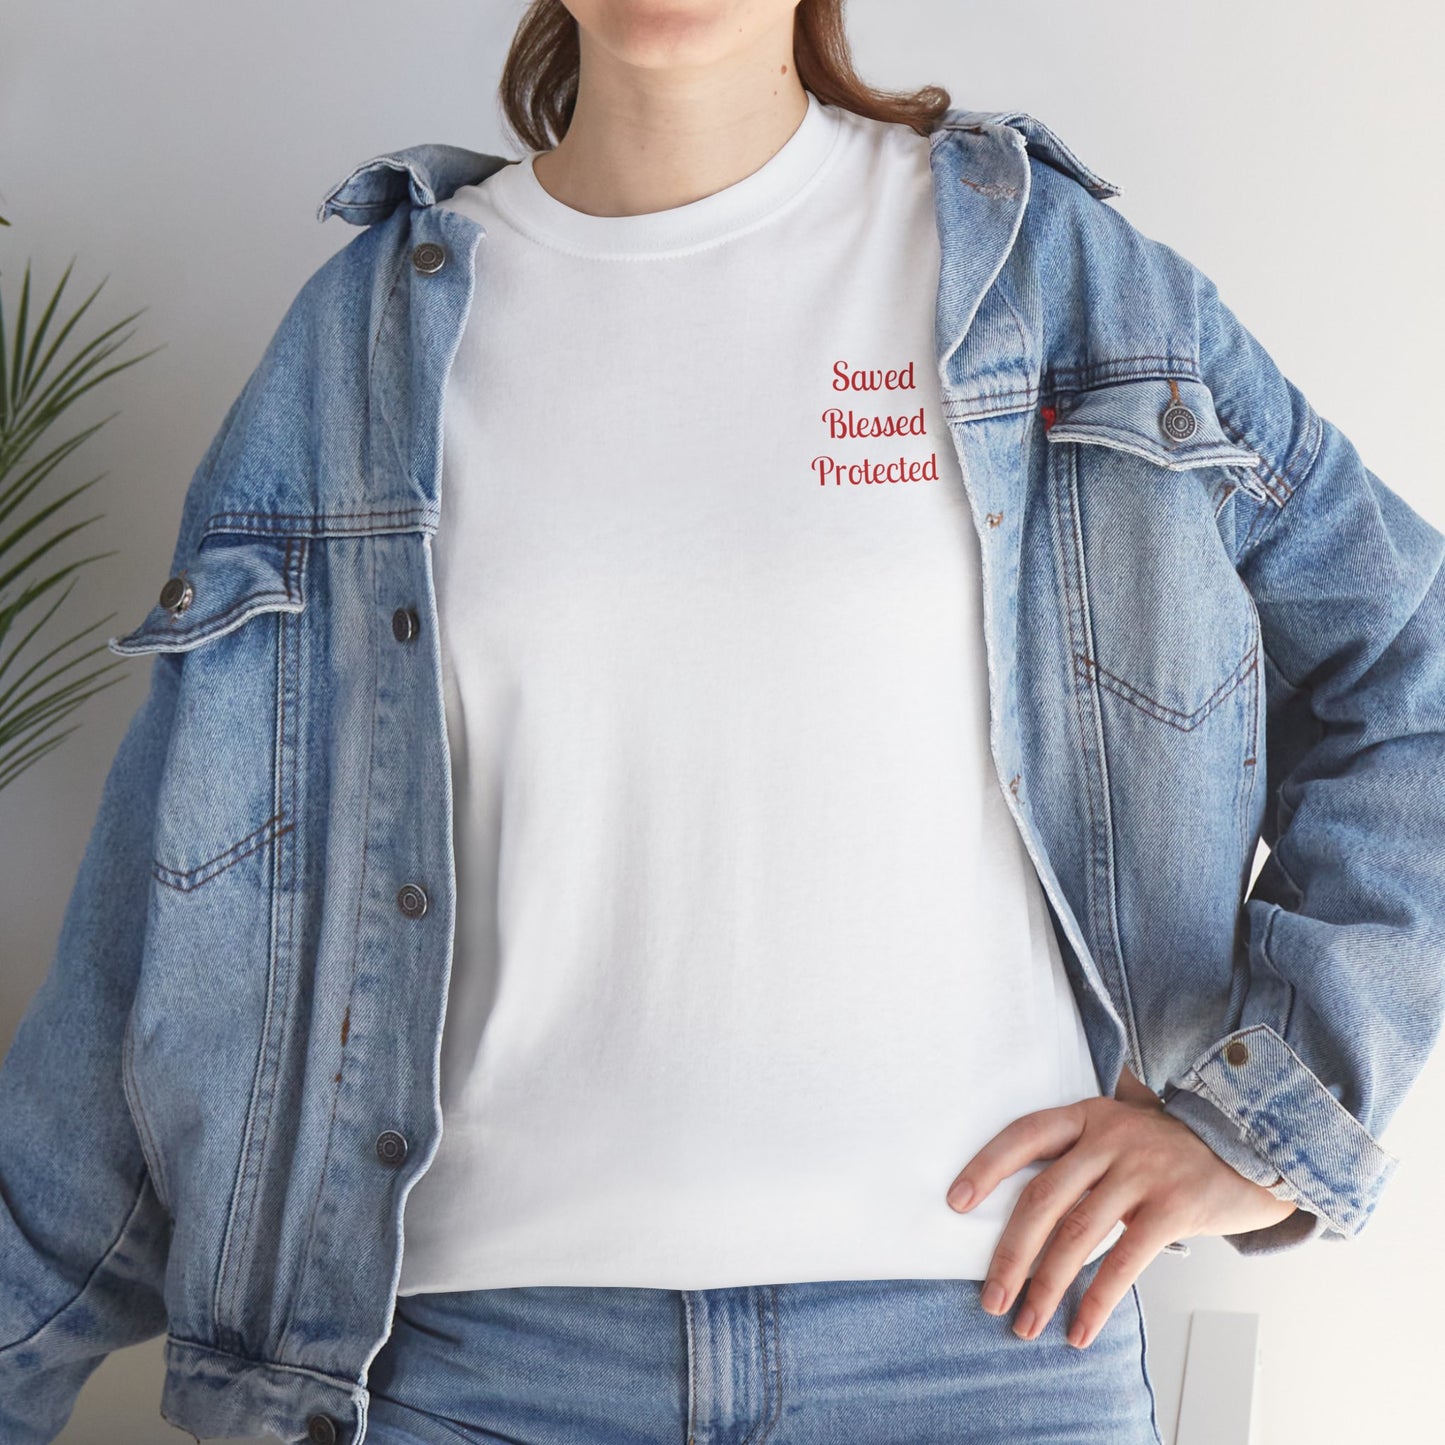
[[993, 1297], [1024, 1323], [961, 1196]]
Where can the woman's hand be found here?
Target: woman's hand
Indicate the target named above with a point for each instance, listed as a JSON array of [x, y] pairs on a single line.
[[1132, 1162]]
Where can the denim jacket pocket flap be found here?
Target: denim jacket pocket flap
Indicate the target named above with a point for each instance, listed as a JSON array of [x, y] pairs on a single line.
[[232, 579], [1170, 421]]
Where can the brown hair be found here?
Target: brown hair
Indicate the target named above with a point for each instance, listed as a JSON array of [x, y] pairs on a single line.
[[539, 80]]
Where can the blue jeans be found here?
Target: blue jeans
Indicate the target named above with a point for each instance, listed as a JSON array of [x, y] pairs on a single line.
[[838, 1362]]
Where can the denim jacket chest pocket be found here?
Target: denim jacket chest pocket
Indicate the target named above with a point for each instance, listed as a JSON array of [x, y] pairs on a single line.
[[1140, 472], [226, 795]]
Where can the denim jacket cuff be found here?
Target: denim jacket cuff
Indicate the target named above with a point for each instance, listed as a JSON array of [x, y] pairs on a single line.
[[1222, 1135], [1253, 1100]]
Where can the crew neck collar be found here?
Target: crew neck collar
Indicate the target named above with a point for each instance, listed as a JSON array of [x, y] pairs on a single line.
[[522, 200]]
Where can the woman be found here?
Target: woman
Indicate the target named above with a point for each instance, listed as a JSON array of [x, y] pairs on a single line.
[[833, 682], [722, 722]]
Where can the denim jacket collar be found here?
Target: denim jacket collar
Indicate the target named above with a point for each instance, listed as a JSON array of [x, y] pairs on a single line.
[[425, 174]]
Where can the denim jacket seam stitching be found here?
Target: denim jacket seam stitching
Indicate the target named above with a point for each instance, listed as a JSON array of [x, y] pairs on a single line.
[[1289, 878], [294, 892], [1065, 505], [1292, 475], [399, 265], [1268, 955], [320, 516], [285, 1367], [1018, 327], [1275, 477], [1090, 669], [1094, 374], [280, 944], [79, 1294], [208, 625], [256, 839], [206, 473], [150, 1150], [954, 406], [338, 202], [274, 957], [351, 983]]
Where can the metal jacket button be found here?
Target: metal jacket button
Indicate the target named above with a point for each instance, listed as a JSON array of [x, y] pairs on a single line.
[[1237, 1053], [1179, 422], [391, 1148], [405, 624], [411, 899], [321, 1430], [429, 258], [176, 595]]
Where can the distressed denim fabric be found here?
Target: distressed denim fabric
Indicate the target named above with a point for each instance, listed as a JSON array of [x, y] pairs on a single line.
[[827, 1362], [1207, 621]]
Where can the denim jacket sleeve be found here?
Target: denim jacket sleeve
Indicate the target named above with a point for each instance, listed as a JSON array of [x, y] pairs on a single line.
[[1344, 929], [84, 1239]]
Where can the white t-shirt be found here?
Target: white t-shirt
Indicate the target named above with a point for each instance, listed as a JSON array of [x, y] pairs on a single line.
[[750, 957]]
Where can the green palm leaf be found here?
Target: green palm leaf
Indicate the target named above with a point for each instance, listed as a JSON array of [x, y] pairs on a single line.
[[41, 685]]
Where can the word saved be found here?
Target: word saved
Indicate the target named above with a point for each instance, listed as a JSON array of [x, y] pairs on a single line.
[[868, 472], [875, 379]]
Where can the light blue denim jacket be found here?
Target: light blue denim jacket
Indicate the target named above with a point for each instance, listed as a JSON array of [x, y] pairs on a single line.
[[1206, 621]]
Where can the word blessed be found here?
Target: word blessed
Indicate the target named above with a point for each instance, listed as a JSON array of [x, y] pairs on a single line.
[[848, 425], [866, 472]]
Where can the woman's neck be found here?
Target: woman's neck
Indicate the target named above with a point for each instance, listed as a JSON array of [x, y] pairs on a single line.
[[650, 136]]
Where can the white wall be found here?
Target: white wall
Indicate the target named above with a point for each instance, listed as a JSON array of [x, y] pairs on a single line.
[[1292, 150]]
